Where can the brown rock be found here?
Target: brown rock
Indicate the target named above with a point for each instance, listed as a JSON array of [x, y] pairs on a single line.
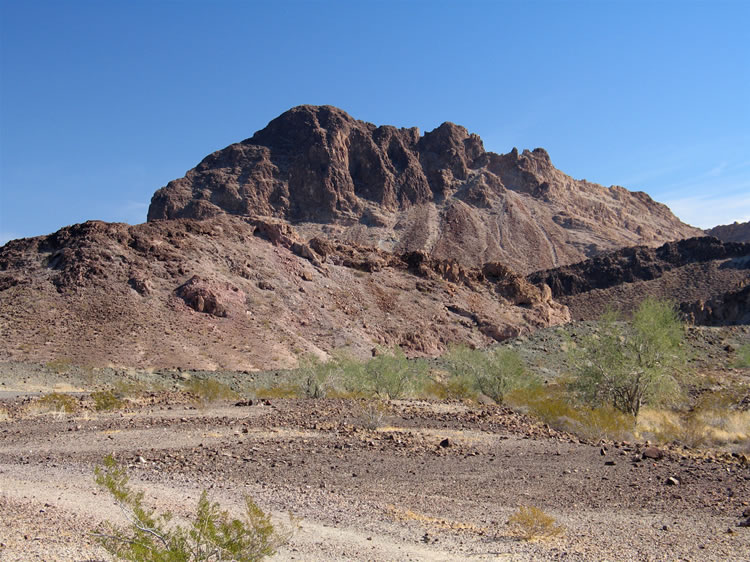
[[318, 165], [652, 453]]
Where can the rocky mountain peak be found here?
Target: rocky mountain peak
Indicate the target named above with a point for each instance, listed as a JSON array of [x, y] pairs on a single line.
[[441, 193]]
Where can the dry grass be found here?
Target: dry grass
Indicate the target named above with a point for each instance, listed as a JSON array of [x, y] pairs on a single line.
[[531, 523], [399, 514], [704, 427], [552, 405], [371, 413], [208, 391], [54, 403]]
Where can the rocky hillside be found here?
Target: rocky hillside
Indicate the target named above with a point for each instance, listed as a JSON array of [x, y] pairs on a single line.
[[243, 293], [735, 232], [440, 193], [690, 272]]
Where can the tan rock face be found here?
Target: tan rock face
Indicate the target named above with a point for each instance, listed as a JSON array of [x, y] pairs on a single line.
[[440, 193]]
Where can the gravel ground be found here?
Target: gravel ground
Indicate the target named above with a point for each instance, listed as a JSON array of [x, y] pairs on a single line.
[[401, 492]]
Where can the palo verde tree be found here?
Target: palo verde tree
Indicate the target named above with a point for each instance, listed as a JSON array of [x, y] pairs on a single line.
[[632, 364]]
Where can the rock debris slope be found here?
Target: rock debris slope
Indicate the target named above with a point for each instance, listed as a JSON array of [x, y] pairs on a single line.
[[243, 293], [440, 193]]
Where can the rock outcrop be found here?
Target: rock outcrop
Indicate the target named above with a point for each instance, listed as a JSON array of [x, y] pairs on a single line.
[[440, 193], [244, 293], [637, 264], [735, 232]]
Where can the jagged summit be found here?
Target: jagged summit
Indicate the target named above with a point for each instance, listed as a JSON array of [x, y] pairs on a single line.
[[440, 192]]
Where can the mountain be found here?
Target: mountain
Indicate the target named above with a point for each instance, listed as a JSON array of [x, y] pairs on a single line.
[[239, 293], [736, 232], [705, 276], [441, 193]]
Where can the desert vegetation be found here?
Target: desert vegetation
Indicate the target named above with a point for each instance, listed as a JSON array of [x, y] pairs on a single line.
[[211, 533]]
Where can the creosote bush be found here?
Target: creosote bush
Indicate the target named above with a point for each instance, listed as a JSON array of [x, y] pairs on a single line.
[[211, 534], [743, 357], [531, 523], [56, 402], [106, 400], [492, 373], [389, 375], [208, 391]]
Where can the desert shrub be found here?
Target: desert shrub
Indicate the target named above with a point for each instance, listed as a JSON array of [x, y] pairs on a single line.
[[743, 357], [129, 389], [371, 413], [56, 402], [60, 365], [106, 400], [628, 365], [4, 415], [211, 534], [493, 373], [280, 390], [553, 405], [531, 523], [313, 377], [389, 375], [208, 391]]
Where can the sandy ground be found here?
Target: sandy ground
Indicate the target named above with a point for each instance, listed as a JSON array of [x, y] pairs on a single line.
[[393, 493]]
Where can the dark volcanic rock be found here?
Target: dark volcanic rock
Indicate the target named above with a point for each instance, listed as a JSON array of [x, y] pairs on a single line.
[[731, 308], [440, 193], [636, 263]]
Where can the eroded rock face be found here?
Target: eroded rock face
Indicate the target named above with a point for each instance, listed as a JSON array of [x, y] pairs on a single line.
[[736, 232], [637, 263], [440, 193], [211, 297], [731, 308]]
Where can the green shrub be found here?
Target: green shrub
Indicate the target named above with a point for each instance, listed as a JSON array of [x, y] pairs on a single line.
[[313, 377], [493, 373], [210, 535], [629, 365], [57, 402], [553, 405], [208, 391], [389, 375], [106, 400], [60, 366], [530, 523], [743, 357]]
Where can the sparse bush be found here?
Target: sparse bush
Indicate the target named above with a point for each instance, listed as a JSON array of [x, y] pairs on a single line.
[[743, 357], [371, 414], [208, 391], [283, 390], [313, 377], [56, 402], [60, 365], [212, 534], [531, 523], [555, 407], [389, 375], [493, 373], [106, 400], [629, 365]]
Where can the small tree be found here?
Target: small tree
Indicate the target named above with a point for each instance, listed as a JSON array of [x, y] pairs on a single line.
[[632, 364], [388, 376], [211, 535], [493, 373]]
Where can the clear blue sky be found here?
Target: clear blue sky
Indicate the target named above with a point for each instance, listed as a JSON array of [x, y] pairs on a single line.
[[103, 102]]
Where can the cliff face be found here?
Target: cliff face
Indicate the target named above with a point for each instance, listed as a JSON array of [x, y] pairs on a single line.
[[440, 193]]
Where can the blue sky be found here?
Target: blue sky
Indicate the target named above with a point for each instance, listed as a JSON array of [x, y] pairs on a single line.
[[103, 102]]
